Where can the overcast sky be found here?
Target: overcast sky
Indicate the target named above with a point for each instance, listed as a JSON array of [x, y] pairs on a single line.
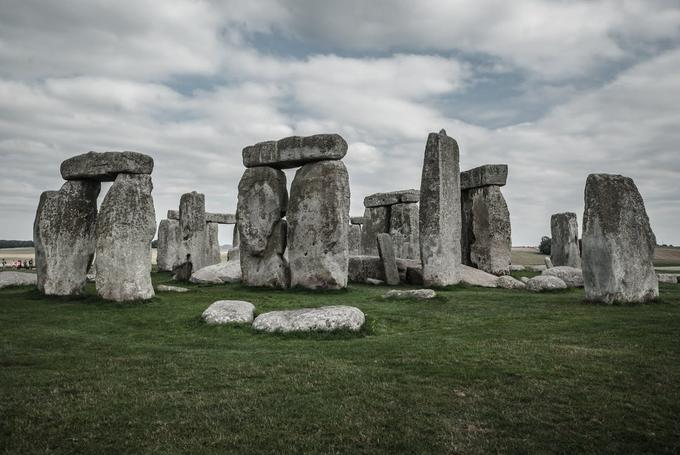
[[555, 89]]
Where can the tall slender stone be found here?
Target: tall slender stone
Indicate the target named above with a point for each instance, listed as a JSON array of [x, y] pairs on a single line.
[[125, 227], [564, 245], [167, 250], [318, 224], [440, 220], [193, 229], [64, 237], [376, 221], [404, 230], [212, 245], [354, 239], [389, 261], [618, 242]]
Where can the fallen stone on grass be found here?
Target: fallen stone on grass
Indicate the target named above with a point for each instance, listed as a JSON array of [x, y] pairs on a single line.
[[224, 272], [536, 268], [544, 283], [374, 282], [167, 288], [419, 294], [517, 268], [571, 276], [17, 279], [476, 277], [324, 319], [508, 282], [229, 312], [672, 278], [524, 279]]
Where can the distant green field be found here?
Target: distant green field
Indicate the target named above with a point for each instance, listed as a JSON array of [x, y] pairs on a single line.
[[474, 371]]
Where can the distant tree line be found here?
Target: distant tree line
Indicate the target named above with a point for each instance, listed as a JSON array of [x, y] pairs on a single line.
[[16, 243]]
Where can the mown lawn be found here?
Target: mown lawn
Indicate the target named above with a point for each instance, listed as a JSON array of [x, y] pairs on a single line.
[[474, 371]]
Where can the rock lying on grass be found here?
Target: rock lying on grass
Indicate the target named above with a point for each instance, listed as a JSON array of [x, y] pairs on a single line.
[[374, 282], [166, 288], [324, 319], [229, 312], [476, 277], [571, 276], [672, 278], [17, 279], [524, 279], [517, 268], [419, 294], [508, 282], [543, 283], [224, 272], [536, 268]]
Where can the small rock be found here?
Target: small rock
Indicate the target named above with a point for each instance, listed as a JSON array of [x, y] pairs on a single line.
[[374, 282], [517, 268], [524, 279], [572, 276], [229, 312], [476, 277], [508, 282], [672, 278], [543, 283], [324, 319], [548, 262], [419, 294], [166, 288], [17, 279]]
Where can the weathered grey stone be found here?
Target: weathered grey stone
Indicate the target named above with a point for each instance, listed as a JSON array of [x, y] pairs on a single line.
[[536, 268], [64, 237], [224, 272], [325, 319], [362, 267], [476, 277], [229, 312], [194, 231], [405, 231], [213, 254], [391, 198], [354, 239], [571, 276], [508, 282], [318, 223], [486, 231], [17, 279], [376, 221], [182, 271], [517, 268], [295, 151], [417, 294], [167, 288], [489, 174], [440, 221], [564, 244], [262, 201], [389, 262], [524, 279], [125, 227], [220, 218], [173, 215], [105, 166], [356, 220], [548, 262], [168, 247], [374, 282], [543, 283], [235, 238], [669, 278], [234, 254], [618, 242]]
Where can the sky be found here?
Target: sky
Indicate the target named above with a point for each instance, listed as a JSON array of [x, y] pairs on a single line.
[[555, 89]]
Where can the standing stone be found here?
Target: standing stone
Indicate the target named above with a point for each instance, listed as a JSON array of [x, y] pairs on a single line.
[[167, 251], [404, 230], [564, 246], [354, 239], [440, 222], [386, 251], [318, 224], [212, 245], [262, 202], [125, 227], [64, 237], [618, 242], [376, 221], [193, 229]]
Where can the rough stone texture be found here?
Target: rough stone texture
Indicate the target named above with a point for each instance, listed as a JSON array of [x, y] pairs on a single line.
[[235, 238], [508, 282], [354, 239], [524, 279], [417, 294], [618, 242], [376, 221], [17, 279], [571, 276], [173, 215], [545, 283], [536, 268], [476, 277], [486, 232], [404, 230], [262, 202], [64, 237], [105, 166], [125, 228], [167, 251], [374, 282], [564, 245], [194, 230], [224, 272], [489, 174], [229, 312], [326, 319], [212, 245], [234, 254], [220, 218], [364, 267], [356, 220], [318, 223], [167, 288], [389, 262], [670, 278], [391, 198], [440, 220], [548, 262], [517, 268], [295, 151], [182, 271]]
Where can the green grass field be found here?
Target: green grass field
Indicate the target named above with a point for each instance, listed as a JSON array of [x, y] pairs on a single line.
[[474, 371]]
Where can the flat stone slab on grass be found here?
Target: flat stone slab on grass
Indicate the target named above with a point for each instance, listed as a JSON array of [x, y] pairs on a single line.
[[571, 276], [167, 288], [105, 166], [508, 282], [224, 272], [295, 151], [517, 268], [671, 278], [391, 198], [229, 312], [475, 277], [419, 294], [543, 283], [323, 319], [18, 279]]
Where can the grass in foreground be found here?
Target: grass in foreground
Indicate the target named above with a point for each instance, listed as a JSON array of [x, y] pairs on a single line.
[[474, 371]]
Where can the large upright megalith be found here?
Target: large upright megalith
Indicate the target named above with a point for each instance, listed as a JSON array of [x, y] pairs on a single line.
[[262, 203], [404, 231], [318, 225], [564, 246], [64, 237], [376, 221], [167, 251], [440, 222], [618, 242], [193, 230], [394, 213], [125, 227]]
